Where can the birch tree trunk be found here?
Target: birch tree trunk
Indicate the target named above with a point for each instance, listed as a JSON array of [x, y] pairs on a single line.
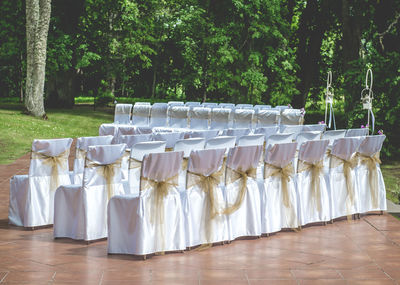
[[37, 27]]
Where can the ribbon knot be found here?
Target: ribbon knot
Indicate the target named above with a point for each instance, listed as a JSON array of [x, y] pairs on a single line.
[[316, 171]]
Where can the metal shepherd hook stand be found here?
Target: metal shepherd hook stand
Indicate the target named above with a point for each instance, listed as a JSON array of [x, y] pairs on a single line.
[[367, 95], [329, 100]]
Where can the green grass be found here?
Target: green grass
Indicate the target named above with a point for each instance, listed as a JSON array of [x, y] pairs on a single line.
[[391, 175], [18, 130]]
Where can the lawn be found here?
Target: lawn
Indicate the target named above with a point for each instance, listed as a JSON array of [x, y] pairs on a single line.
[[18, 130]]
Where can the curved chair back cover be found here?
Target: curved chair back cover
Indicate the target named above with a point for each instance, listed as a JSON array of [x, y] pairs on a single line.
[[206, 161], [178, 116], [250, 140], [188, 145], [313, 151], [131, 140], [122, 113], [357, 132], [371, 145], [307, 136], [280, 154], [199, 117], [220, 118], [243, 118], [244, 157], [291, 117], [169, 137], [139, 150], [244, 106], [158, 115], [267, 131], [314, 127], [344, 148], [206, 134], [220, 142], [291, 129], [333, 135], [280, 138], [266, 117], [161, 166], [141, 114]]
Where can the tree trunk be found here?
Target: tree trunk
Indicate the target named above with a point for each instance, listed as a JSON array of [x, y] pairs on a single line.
[[153, 85], [37, 27]]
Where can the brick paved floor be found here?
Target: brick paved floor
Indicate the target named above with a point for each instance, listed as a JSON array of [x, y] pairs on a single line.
[[366, 251]]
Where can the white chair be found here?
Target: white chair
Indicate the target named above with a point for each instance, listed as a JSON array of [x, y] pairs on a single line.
[[314, 128], [243, 118], [158, 115], [291, 117], [357, 132], [226, 105], [192, 104], [239, 132], [126, 130], [122, 113], [280, 138], [290, 129], [250, 140], [244, 106], [267, 131], [342, 177], [266, 117], [371, 186], [333, 135], [142, 103], [259, 107], [312, 186], [206, 134], [141, 114], [199, 118], [80, 211], [176, 103], [282, 107], [242, 193], [278, 194], [138, 151], [210, 105], [108, 129], [220, 118], [178, 116], [82, 145], [221, 142], [151, 222], [307, 136], [169, 137], [32, 195], [204, 201]]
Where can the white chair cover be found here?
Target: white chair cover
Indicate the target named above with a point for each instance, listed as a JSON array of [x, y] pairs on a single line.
[[205, 221], [138, 151], [199, 118], [142, 103], [250, 140], [122, 113], [239, 132], [280, 138], [284, 129], [244, 106], [140, 225], [314, 203], [262, 107], [282, 107], [82, 145], [243, 118], [178, 116], [357, 132], [221, 142], [307, 136], [188, 145], [371, 186], [220, 118], [333, 135], [80, 212], [343, 190], [176, 103], [141, 114], [291, 117], [169, 137], [192, 104], [108, 129], [32, 195], [210, 105], [314, 127], [267, 131], [206, 134], [267, 117], [243, 201], [226, 105], [278, 207], [158, 115]]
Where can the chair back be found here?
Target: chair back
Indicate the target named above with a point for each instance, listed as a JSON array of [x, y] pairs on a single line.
[[267, 117], [192, 104], [169, 137], [244, 106], [239, 132], [307, 136], [210, 105], [371, 145], [291, 117], [314, 127], [220, 118], [175, 103], [206, 161], [344, 148], [161, 166], [280, 154], [313, 151], [267, 131], [243, 118], [250, 140], [108, 129], [244, 157], [284, 129], [141, 114], [188, 145], [226, 105], [259, 107], [206, 134], [333, 135], [357, 132], [131, 140], [280, 138], [122, 113], [178, 116], [199, 117], [158, 115], [139, 150], [220, 142]]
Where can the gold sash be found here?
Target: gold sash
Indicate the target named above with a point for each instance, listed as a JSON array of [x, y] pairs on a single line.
[[316, 172], [370, 162], [160, 191], [348, 165], [55, 162], [233, 175], [134, 163], [107, 171], [285, 173]]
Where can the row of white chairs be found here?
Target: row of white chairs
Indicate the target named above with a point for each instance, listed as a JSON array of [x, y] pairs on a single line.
[[165, 115]]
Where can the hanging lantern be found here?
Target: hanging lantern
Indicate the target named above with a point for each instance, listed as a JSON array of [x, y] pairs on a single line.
[[329, 101], [367, 95]]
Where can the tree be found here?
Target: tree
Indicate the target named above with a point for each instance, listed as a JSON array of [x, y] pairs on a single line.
[[37, 27]]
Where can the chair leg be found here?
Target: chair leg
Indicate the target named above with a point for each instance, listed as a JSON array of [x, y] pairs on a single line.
[[144, 257]]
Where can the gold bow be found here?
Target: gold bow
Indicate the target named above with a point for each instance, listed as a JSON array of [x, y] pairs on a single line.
[[55, 162], [285, 173], [107, 171], [348, 165], [134, 163], [371, 162], [160, 191], [233, 175], [316, 171]]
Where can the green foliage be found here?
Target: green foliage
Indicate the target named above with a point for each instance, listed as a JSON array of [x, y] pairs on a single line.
[[104, 99]]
